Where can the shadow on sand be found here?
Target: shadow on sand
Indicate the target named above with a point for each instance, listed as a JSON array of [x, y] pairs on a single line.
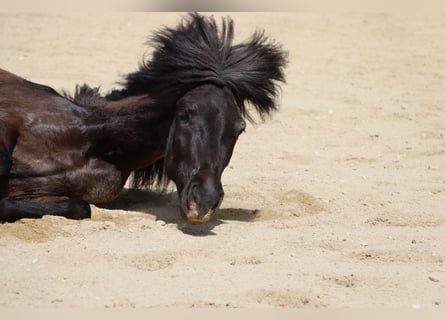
[[163, 205]]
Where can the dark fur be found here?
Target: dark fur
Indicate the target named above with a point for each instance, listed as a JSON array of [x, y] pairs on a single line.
[[197, 52]]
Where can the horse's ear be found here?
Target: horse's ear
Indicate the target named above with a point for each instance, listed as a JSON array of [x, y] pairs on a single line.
[[260, 63]]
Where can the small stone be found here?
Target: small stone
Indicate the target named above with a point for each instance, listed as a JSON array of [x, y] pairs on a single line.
[[56, 301], [413, 241], [364, 244], [160, 222], [434, 279]]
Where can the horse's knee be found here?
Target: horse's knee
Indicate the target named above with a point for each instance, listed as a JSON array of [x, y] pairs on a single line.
[[7, 211], [4, 204], [5, 163], [78, 209]]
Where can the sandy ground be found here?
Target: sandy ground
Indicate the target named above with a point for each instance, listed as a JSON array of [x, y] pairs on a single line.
[[337, 201]]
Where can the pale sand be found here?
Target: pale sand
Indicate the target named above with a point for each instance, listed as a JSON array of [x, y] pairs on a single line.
[[338, 200]]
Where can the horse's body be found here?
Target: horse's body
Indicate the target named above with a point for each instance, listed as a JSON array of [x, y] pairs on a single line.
[[172, 120], [61, 151]]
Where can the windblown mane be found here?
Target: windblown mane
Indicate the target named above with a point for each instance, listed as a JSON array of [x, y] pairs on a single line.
[[197, 52], [86, 96]]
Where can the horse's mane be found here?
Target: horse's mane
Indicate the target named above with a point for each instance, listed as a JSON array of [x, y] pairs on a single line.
[[197, 52], [86, 96]]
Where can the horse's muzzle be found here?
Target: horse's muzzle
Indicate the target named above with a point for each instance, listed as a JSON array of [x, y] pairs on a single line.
[[198, 201], [192, 215]]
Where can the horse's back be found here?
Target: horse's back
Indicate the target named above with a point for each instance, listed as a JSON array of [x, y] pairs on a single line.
[[14, 85], [8, 77], [24, 101]]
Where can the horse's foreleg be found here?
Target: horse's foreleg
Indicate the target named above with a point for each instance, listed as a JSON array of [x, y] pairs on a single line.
[[8, 139], [5, 162], [12, 210], [5, 167]]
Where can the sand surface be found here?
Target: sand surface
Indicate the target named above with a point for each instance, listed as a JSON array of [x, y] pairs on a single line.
[[337, 201]]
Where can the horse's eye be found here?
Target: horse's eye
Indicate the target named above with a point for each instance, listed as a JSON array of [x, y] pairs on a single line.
[[183, 117]]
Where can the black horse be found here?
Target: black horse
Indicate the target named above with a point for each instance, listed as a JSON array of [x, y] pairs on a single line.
[[177, 118]]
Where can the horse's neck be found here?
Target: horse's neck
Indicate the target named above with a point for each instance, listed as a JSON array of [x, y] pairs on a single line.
[[125, 106], [132, 131]]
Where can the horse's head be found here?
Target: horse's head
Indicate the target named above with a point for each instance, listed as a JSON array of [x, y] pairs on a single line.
[[201, 141], [206, 82]]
